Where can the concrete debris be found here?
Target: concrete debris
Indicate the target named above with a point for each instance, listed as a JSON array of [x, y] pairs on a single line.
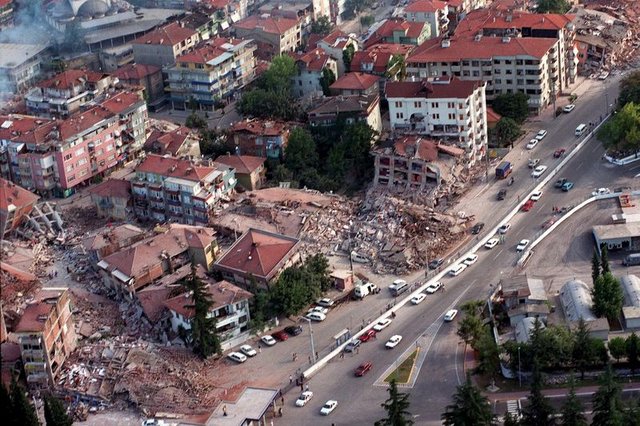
[[43, 220]]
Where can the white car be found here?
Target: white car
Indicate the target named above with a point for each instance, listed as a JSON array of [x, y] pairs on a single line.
[[491, 243], [382, 324], [603, 76], [450, 315], [568, 108], [538, 171], [532, 143], [304, 398], [457, 269], [268, 340], [536, 196], [541, 134], [522, 245], [504, 228], [434, 287], [393, 342], [316, 316], [237, 357], [601, 191], [419, 298], [470, 260], [318, 309], [328, 407], [248, 350], [326, 302]]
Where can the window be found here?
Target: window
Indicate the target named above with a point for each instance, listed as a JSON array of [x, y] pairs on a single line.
[[435, 105], [399, 115], [81, 162], [79, 151], [452, 116], [466, 73], [465, 63], [497, 71], [476, 73], [498, 81], [435, 116], [68, 157], [475, 63], [398, 104], [451, 105], [509, 81], [417, 104]]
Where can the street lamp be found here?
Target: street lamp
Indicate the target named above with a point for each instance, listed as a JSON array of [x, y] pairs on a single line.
[[313, 348], [519, 370]]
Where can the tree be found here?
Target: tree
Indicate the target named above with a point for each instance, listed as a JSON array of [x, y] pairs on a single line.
[[318, 267], [511, 420], [300, 153], [617, 348], [327, 79], [358, 161], [470, 328], [572, 408], [488, 354], [215, 143], [321, 26], [607, 297], [538, 412], [506, 132], [54, 412], [512, 105], [630, 89], [396, 68], [397, 406], [277, 77], [553, 6], [194, 121], [367, 20], [473, 307], [23, 411], [470, 407], [622, 131], [632, 346], [202, 334], [583, 355], [604, 259], [347, 56], [7, 406], [608, 409], [595, 266]]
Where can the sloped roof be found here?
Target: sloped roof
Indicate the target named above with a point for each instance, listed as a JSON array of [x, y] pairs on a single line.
[[341, 104], [355, 81], [12, 194], [115, 235], [222, 293], [260, 127], [268, 24], [169, 142], [314, 60], [174, 167], [425, 6], [416, 147], [379, 55], [36, 314], [66, 80], [494, 19], [576, 301], [119, 188], [337, 38], [135, 71], [168, 35], [631, 286], [244, 164], [492, 116], [446, 87]]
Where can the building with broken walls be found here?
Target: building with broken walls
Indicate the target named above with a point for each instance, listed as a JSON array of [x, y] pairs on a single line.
[[46, 336], [110, 240], [261, 138], [15, 205]]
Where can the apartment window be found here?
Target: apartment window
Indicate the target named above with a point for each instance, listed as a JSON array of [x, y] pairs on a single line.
[[465, 63], [417, 104], [497, 72], [69, 168], [435, 105], [475, 63], [508, 72], [84, 172], [71, 178], [496, 61], [81, 162], [79, 151], [68, 157], [476, 73], [498, 81], [398, 104], [452, 116], [509, 81], [451, 105], [435, 116], [508, 62], [399, 115], [520, 81], [299, 82], [519, 62], [467, 74]]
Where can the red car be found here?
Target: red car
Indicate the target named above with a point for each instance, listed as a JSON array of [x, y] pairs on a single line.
[[363, 368], [369, 334], [527, 206], [280, 335], [559, 152]]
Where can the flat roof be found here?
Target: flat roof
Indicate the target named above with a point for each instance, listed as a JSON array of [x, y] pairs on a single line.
[[613, 231], [251, 405], [631, 312], [12, 55]]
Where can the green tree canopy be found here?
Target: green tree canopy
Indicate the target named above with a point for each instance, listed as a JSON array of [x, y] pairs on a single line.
[[630, 89], [595, 266], [23, 412], [194, 121], [470, 328], [469, 408], [617, 347], [367, 20], [608, 409], [54, 412], [632, 346], [553, 6], [572, 408], [300, 153], [506, 132], [321, 26], [583, 350], [202, 334], [622, 131], [538, 411], [397, 408], [347, 56], [512, 105], [607, 296], [327, 79], [604, 259]]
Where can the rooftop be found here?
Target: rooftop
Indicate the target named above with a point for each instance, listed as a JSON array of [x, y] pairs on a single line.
[[37, 313], [379, 55], [13, 55], [119, 188], [243, 164], [174, 167], [345, 104], [14, 195], [314, 60], [355, 81], [222, 293], [169, 142], [576, 300], [267, 24], [631, 286], [496, 19], [135, 71], [613, 231], [425, 6], [260, 127], [168, 35], [446, 87], [391, 26], [337, 38], [116, 235], [68, 79]]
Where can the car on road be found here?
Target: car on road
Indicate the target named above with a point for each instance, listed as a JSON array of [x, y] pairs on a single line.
[[532, 143], [293, 330], [436, 263], [470, 260], [491, 243], [567, 186], [304, 398], [536, 196], [280, 335], [601, 191], [538, 171], [418, 298], [352, 345], [268, 340], [316, 316], [533, 162], [248, 350], [237, 357], [568, 108], [450, 315], [622, 189], [457, 269], [527, 206], [522, 245], [320, 309], [393, 341], [504, 228], [477, 228], [368, 335], [382, 324], [502, 194], [433, 287], [559, 153], [363, 368], [560, 182], [325, 302], [541, 134], [604, 75], [328, 407]]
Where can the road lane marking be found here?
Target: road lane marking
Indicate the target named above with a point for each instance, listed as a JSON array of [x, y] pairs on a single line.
[[498, 255]]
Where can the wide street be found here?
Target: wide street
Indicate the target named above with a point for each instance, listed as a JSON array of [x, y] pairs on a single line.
[[421, 325]]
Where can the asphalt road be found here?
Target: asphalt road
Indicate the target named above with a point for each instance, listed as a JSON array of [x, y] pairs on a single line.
[[421, 325]]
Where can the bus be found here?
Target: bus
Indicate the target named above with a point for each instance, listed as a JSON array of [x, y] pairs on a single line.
[[398, 287]]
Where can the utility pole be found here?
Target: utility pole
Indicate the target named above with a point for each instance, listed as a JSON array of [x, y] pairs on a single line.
[[313, 348]]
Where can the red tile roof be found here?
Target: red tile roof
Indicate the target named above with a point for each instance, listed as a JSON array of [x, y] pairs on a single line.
[[25, 128], [258, 253], [379, 55], [208, 51], [122, 101], [119, 188], [355, 81], [484, 49], [17, 273], [244, 164], [314, 60], [174, 167], [135, 71], [492, 116], [416, 147], [479, 19], [337, 38], [36, 314], [260, 127], [168, 35], [66, 80], [437, 88], [4, 3], [170, 142], [268, 24], [12, 194], [390, 26], [425, 6], [222, 293], [115, 236]]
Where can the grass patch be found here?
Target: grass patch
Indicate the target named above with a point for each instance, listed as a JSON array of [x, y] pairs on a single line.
[[403, 372]]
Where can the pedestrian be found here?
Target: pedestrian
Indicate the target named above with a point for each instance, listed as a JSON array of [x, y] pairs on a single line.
[[317, 355], [357, 351], [282, 400], [301, 387], [280, 412], [55, 273], [259, 348], [290, 379], [306, 387], [309, 359], [293, 356], [224, 410]]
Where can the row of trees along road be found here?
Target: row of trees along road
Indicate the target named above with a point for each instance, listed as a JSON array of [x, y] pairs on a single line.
[[18, 411], [620, 135]]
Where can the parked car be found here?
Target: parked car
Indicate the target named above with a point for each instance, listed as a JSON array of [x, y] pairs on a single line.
[[532, 143], [527, 206], [382, 324], [352, 345], [432, 288], [316, 316], [363, 368], [293, 330], [522, 245], [248, 350], [538, 171], [325, 302], [450, 315], [418, 298], [533, 162], [368, 335], [280, 335], [603, 75], [502, 194], [477, 228], [536, 196], [320, 309], [504, 228], [237, 357], [304, 398], [457, 269], [491, 243], [393, 341], [559, 153], [436, 263], [268, 340], [541, 134], [567, 186], [568, 108], [470, 260], [328, 407], [560, 182], [601, 191]]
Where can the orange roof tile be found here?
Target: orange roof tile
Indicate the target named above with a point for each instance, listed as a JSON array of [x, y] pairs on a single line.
[[135, 71], [66, 80], [222, 293], [208, 51], [314, 60], [168, 35], [244, 164], [379, 55], [492, 116], [12, 194], [18, 273], [25, 128], [169, 142], [267, 24], [174, 167], [425, 6], [355, 81], [122, 101], [337, 38], [494, 19], [260, 127], [36, 314], [416, 147]]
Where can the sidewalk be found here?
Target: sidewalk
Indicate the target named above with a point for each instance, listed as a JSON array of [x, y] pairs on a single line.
[[554, 393]]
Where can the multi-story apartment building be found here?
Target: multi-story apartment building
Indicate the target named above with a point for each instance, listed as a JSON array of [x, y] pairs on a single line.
[[6, 14], [131, 269], [356, 83], [147, 76], [163, 45], [46, 336], [112, 199], [506, 64], [458, 9], [311, 71], [15, 204], [379, 59], [336, 8], [399, 31], [65, 93], [334, 45], [20, 66], [261, 138], [350, 109], [214, 71], [433, 12], [273, 35], [53, 157], [445, 108], [171, 189]]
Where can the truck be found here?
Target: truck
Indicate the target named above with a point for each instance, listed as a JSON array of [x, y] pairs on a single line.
[[362, 290], [632, 260], [503, 170]]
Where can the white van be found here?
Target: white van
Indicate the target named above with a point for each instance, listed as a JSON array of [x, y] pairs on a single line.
[[457, 270], [316, 316], [581, 129]]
